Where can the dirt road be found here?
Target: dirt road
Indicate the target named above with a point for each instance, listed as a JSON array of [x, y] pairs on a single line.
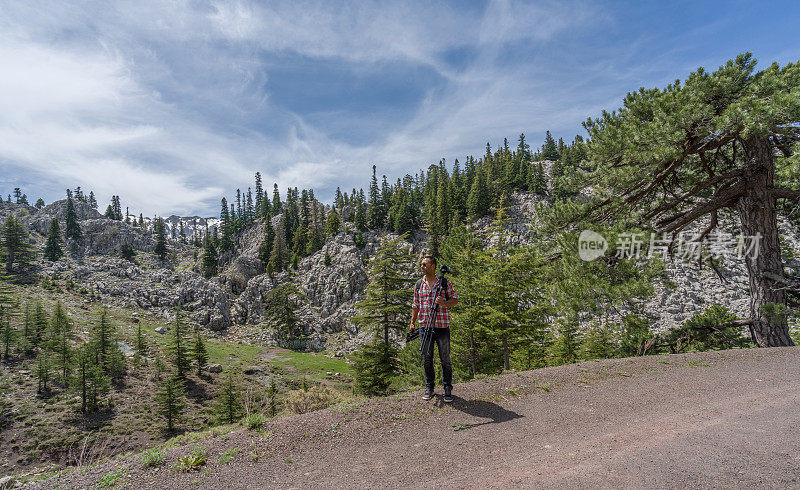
[[721, 419]]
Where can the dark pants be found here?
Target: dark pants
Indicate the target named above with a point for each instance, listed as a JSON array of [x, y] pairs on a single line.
[[441, 337]]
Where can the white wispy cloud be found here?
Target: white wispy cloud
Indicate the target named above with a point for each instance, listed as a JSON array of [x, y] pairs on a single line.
[[169, 103]]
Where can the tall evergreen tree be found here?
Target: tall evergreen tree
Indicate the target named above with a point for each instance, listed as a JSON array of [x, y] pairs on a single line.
[[161, 238], [72, 229], [52, 247], [332, 225], [276, 200], [720, 135], [43, 371], [384, 308], [375, 215], [210, 258], [178, 348], [279, 255], [60, 341], [228, 407], [199, 352], [259, 204], [88, 380], [170, 400], [14, 243], [549, 148], [226, 227], [7, 332]]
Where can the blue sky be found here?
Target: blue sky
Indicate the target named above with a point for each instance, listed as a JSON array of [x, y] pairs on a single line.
[[172, 104]]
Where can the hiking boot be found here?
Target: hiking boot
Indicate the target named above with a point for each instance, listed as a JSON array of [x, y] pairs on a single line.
[[448, 395], [428, 394]]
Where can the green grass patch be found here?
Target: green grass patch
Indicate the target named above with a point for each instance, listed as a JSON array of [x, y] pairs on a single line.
[[230, 355], [313, 365]]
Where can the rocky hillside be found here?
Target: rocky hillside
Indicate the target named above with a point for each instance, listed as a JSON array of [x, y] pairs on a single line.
[[234, 301]]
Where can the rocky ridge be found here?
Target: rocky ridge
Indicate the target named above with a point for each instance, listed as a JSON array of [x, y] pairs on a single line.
[[234, 301]]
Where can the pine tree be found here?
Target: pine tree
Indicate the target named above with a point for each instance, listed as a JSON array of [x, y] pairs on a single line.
[[39, 203], [108, 354], [332, 225], [178, 348], [14, 243], [170, 401], [549, 148], [60, 339], [360, 218], [276, 200], [43, 371], [161, 239], [52, 247], [228, 407], [281, 305], [210, 258], [72, 229], [471, 336], [141, 344], [385, 305], [199, 352], [566, 347], [478, 200], [103, 339], [375, 214], [92, 200], [89, 380], [375, 367], [40, 320], [265, 250], [226, 238], [7, 332], [278, 256], [259, 209]]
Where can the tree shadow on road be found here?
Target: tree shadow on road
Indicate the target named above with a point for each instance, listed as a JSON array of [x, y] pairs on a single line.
[[493, 412]]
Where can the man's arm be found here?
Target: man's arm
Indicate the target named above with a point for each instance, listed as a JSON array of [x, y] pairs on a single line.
[[414, 314]]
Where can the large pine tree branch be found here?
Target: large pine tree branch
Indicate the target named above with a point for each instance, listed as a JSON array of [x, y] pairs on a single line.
[[699, 187], [785, 193], [721, 199]]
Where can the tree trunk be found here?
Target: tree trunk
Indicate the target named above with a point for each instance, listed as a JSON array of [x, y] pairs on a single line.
[[758, 216], [472, 354], [506, 364]]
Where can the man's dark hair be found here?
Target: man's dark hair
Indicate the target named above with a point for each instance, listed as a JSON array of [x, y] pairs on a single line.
[[433, 259]]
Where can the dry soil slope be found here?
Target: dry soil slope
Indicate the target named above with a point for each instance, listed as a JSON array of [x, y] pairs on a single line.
[[720, 419]]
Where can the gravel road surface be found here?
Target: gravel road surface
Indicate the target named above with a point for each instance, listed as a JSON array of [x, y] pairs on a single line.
[[716, 419]]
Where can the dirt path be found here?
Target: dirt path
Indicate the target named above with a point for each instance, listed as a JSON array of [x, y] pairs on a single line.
[[724, 419]]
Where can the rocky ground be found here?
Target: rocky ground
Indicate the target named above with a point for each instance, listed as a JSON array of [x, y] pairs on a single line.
[[234, 301], [714, 419]]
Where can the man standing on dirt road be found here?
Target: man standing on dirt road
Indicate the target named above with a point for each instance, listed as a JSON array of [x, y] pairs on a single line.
[[424, 297]]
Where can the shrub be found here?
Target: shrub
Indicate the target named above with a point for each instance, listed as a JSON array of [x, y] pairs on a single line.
[[376, 365], [111, 479], [127, 252], [359, 240], [254, 421], [152, 458], [228, 455], [194, 460], [711, 330], [316, 398]]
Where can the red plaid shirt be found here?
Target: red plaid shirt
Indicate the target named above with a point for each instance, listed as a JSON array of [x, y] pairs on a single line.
[[423, 299]]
